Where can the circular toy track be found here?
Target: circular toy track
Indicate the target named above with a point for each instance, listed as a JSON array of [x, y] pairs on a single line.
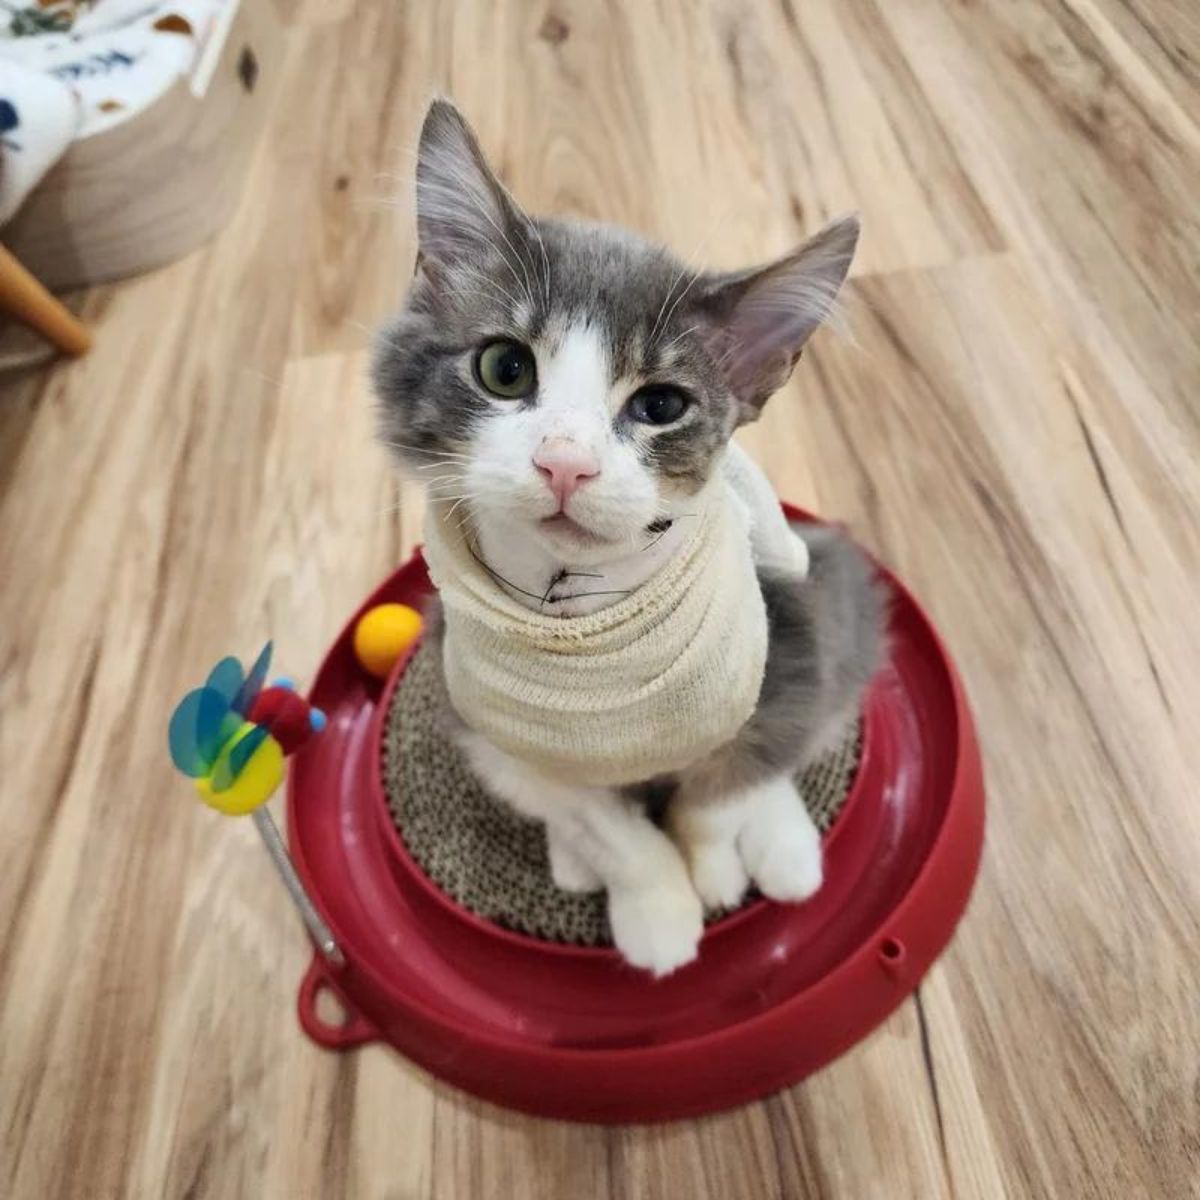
[[570, 1032]]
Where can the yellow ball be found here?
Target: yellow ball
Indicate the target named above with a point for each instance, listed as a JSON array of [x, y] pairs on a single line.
[[383, 634]]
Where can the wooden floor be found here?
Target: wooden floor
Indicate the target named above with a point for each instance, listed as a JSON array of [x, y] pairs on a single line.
[[1015, 428]]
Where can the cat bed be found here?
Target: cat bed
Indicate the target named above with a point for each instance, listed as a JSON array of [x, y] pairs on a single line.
[[73, 69], [126, 128], [486, 857], [446, 964]]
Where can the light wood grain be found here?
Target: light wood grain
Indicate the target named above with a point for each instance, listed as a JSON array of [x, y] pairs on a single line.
[[1015, 426]]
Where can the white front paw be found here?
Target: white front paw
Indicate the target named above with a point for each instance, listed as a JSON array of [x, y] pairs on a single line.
[[717, 874], [656, 927], [568, 869], [781, 848]]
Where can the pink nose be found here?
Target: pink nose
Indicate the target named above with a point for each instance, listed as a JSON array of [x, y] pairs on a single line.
[[565, 465]]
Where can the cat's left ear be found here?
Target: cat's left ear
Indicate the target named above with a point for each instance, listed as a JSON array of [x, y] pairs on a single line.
[[759, 320]]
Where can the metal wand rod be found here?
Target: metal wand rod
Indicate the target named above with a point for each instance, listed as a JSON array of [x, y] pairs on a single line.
[[313, 921]]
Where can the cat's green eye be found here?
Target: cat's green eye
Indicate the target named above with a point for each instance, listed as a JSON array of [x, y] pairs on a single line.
[[506, 369]]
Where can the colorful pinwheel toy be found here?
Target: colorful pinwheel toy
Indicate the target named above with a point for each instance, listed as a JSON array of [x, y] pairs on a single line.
[[231, 737]]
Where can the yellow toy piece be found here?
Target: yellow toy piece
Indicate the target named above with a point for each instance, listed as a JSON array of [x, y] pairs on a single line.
[[256, 782], [383, 634]]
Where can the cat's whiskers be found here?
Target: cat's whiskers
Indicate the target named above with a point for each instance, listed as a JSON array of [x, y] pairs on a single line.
[[393, 178], [529, 226], [679, 298], [678, 338], [451, 197], [442, 482], [442, 454], [461, 500], [545, 261], [499, 291], [455, 197], [457, 172], [691, 263]]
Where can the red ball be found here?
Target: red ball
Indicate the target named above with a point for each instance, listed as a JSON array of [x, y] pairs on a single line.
[[286, 716]]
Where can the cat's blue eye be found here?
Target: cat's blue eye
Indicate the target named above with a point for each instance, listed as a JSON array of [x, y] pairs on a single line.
[[506, 369], [658, 404]]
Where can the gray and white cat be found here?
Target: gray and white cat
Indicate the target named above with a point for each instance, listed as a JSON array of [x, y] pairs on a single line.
[[575, 388]]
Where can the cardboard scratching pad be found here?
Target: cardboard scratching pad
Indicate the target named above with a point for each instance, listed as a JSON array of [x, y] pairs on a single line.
[[485, 856]]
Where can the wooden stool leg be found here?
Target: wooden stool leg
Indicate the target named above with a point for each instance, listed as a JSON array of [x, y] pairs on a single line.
[[26, 299]]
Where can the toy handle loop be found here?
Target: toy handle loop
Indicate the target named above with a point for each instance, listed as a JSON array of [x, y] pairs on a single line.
[[354, 1030]]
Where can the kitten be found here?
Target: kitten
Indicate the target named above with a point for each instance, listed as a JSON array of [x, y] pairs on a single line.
[[572, 389]]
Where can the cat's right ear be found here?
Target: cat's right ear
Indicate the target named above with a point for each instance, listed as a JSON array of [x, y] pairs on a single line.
[[462, 208]]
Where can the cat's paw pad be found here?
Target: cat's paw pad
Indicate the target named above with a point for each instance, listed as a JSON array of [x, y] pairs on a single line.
[[718, 875], [656, 928], [569, 871], [783, 855]]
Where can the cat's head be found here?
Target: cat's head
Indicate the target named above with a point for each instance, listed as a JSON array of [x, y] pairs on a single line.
[[572, 379]]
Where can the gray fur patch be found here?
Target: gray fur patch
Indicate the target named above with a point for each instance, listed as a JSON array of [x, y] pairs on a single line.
[[427, 408], [826, 642], [686, 454], [825, 645]]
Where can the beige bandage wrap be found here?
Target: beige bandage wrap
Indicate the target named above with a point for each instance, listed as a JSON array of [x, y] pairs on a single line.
[[642, 688]]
